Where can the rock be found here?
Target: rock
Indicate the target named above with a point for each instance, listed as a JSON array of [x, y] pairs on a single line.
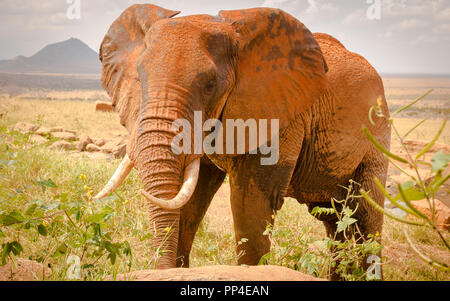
[[103, 106], [25, 127], [65, 136], [84, 141], [80, 146], [99, 141], [62, 145], [85, 138], [92, 148], [58, 129], [397, 212], [442, 212], [36, 139], [394, 209], [98, 156], [119, 151], [220, 273], [25, 270], [43, 131], [113, 145]]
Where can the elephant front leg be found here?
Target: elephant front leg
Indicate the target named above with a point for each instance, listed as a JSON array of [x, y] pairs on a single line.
[[251, 214], [210, 180], [256, 194]]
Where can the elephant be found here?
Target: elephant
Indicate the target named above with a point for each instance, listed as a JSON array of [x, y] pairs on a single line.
[[260, 64]]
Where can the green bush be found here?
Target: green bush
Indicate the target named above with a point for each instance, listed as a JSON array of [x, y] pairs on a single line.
[[417, 188], [56, 222]]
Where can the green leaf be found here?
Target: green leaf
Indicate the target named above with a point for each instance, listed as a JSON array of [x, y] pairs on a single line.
[[127, 249], [146, 236], [319, 211], [410, 192], [1, 233], [265, 259], [243, 240], [112, 257], [13, 218], [95, 218], [64, 197], [5, 252], [439, 161], [61, 250], [30, 210], [437, 182], [78, 215], [51, 206], [16, 248], [42, 230], [10, 247], [108, 237], [45, 183], [408, 203], [343, 224], [97, 229]]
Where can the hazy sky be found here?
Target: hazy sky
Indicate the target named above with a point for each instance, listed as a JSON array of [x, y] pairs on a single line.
[[410, 36]]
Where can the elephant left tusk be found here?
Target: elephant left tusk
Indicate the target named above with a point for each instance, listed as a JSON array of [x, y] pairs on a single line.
[[118, 177], [187, 189]]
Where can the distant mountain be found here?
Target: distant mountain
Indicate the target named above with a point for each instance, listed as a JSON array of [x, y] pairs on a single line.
[[68, 57]]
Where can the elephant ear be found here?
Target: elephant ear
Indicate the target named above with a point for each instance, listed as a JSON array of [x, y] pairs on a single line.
[[119, 51], [281, 70]]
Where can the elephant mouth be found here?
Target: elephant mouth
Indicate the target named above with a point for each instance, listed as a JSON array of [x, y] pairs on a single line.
[[191, 174]]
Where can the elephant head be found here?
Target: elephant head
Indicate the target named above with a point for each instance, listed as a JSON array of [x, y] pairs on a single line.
[[239, 64]]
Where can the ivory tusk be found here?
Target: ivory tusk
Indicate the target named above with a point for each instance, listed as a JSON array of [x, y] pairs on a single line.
[[118, 177], [187, 189]]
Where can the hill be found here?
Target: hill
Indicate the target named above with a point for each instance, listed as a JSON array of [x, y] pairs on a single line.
[[68, 57]]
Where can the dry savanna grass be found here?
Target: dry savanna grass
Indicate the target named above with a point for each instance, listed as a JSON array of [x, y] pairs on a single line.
[[89, 95], [214, 243], [79, 116], [424, 132], [402, 90]]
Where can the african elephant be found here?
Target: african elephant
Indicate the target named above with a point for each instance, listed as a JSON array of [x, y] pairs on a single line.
[[259, 63]]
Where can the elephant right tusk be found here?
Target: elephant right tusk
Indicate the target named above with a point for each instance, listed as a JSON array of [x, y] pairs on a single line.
[[187, 189], [118, 177]]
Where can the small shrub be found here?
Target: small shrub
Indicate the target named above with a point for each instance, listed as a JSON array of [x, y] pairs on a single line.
[[55, 220], [320, 258], [418, 187]]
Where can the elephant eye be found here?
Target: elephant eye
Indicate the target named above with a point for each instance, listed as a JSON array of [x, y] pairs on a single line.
[[210, 86]]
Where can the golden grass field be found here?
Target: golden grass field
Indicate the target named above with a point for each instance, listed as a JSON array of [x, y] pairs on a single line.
[[214, 242]]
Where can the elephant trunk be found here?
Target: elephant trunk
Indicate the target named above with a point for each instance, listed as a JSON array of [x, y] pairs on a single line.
[[161, 170]]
